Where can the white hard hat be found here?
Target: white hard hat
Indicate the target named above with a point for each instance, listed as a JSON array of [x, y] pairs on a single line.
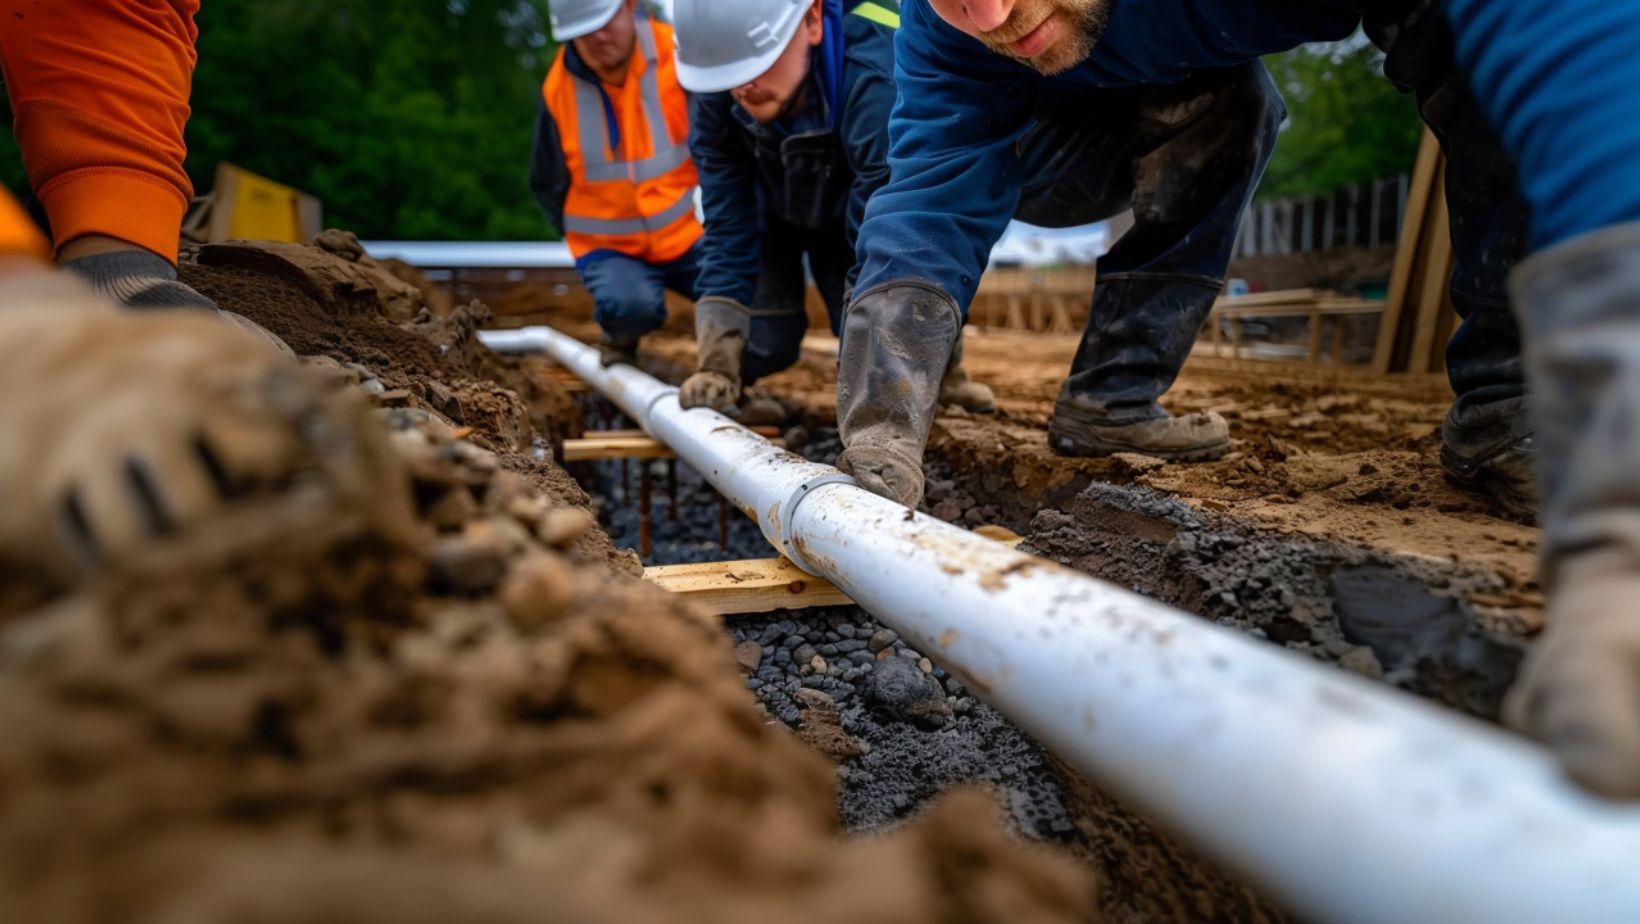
[[725, 43], [572, 19]]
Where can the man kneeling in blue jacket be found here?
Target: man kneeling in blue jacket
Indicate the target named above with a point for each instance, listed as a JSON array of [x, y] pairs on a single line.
[[789, 132], [1063, 112]]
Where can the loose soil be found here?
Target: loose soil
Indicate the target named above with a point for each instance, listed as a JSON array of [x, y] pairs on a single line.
[[444, 700]]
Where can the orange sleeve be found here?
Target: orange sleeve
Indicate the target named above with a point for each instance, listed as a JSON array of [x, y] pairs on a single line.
[[99, 89], [17, 232]]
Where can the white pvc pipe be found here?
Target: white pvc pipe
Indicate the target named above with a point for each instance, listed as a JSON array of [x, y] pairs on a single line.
[[1346, 800]]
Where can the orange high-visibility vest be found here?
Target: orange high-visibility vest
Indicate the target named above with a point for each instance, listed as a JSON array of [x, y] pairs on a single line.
[[638, 200], [17, 234]]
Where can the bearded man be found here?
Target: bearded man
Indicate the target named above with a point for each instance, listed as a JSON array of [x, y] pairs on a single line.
[[1072, 108], [1064, 112]]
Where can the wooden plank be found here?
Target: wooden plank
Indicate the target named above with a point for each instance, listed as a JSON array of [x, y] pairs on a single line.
[[762, 585], [756, 585], [594, 448], [1279, 297], [1411, 244], [639, 434], [1431, 292], [1315, 336]]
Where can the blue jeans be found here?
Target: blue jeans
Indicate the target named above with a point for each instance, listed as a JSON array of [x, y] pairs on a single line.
[[1186, 158], [630, 294], [779, 317]]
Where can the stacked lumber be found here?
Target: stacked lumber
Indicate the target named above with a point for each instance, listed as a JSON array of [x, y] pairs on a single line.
[[1318, 305], [1050, 300], [1418, 315]]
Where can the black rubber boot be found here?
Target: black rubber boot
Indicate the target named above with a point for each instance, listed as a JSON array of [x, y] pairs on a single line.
[[897, 342]]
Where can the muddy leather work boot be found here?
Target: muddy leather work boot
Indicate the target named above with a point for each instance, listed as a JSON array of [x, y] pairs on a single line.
[[959, 390], [1491, 450], [1080, 428], [721, 326], [1579, 690], [897, 342]]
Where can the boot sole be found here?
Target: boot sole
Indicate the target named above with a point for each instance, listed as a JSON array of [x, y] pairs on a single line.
[[1474, 477], [1098, 449]]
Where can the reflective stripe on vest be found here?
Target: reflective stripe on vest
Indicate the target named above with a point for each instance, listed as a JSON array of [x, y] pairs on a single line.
[[684, 206], [594, 129], [881, 15]]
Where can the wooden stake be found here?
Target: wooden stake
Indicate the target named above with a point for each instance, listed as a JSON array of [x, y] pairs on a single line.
[[723, 522], [672, 490], [646, 525]]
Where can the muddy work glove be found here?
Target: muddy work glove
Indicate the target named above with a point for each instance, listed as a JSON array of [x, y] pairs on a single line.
[[898, 340], [721, 329], [119, 428], [1579, 691]]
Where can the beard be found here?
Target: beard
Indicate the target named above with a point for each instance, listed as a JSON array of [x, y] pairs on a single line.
[[1082, 22]]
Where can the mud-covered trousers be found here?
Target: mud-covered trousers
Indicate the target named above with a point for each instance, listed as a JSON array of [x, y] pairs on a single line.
[[778, 313], [1491, 226], [1187, 159]]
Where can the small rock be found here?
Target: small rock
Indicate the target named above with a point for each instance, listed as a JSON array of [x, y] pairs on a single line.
[[910, 655], [846, 631], [818, 664], [926, 666], [791, 641], [749, 655], [881, 639], [562, 527], [907, 693], [804, 654], [849, 646]]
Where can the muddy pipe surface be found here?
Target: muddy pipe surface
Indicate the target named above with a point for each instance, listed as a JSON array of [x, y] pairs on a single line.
[[1346, 800]]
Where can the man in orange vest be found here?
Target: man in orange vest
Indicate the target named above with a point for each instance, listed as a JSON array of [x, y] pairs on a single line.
[[611, 165]]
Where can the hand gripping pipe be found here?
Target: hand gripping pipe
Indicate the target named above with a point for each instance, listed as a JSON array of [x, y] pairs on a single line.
[[1345, 800]]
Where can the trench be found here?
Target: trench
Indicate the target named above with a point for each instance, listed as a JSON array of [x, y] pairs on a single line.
[[899, 729]]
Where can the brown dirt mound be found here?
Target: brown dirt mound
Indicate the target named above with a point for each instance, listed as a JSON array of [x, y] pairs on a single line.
[[304, 713]]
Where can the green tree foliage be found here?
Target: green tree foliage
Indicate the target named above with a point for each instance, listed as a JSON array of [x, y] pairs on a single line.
[[1347, 124], [407, 119], [413, 119]]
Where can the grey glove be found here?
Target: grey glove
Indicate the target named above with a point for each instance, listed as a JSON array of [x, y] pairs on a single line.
[[137, 279], [721, 329], [1580, 689], [897, 342]]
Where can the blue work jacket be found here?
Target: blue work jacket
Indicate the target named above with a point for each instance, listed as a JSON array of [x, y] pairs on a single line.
[[816, 168], [962, 110]]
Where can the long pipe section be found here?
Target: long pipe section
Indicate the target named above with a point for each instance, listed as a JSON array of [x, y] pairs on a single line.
[[1346, 800]]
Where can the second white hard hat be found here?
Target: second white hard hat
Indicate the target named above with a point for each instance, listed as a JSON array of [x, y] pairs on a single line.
[[725, 43], [572, 19]]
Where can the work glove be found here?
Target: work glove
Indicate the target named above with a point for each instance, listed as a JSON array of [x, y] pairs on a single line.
[[119, 428], [1579, 690], [137, 279], [721, 329], [897, 342]]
